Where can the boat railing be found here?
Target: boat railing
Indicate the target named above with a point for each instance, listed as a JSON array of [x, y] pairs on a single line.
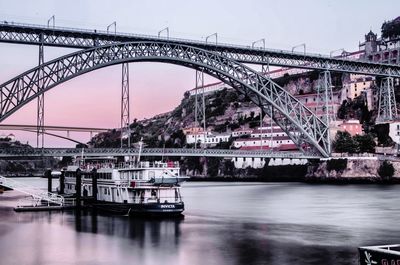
[[155, 199]]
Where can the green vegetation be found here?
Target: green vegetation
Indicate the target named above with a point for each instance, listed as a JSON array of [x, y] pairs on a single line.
[[386, 170], [336, 164], [345, 143], [382, 132], [391, 29]]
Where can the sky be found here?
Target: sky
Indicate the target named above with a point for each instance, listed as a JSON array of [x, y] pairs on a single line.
[[93, 99]]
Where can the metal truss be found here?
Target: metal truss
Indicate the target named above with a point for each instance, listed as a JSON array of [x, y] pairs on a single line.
[[387, 101], [325, 97], [125, 109], [305, 128], [40, 101], [226, 153], [81, 38], [200, 106]]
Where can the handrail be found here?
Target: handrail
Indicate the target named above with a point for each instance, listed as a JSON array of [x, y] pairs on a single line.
[[155, 38]]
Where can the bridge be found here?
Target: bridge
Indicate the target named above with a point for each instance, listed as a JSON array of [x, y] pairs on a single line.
[[154, 152], [26, 127], [225, 62], [11, 32]]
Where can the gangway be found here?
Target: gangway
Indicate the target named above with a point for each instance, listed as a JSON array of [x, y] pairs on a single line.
[[38, 195]]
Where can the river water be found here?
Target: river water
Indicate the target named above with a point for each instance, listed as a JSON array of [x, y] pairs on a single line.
[[224, 223]]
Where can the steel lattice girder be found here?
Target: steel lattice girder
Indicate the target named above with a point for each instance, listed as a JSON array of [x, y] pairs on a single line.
[[78, 38], [34, 152], [305, 129]]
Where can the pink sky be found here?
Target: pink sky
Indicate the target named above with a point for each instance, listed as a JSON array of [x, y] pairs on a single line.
[[93, 99]]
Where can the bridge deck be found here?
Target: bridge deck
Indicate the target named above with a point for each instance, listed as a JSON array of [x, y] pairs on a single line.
[[227, 153], [83, 38]]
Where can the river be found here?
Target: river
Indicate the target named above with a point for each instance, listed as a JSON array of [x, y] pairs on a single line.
[[224, 223]]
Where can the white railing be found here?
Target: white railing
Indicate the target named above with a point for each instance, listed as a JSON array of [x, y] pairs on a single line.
[[37, 193], [154, 37]]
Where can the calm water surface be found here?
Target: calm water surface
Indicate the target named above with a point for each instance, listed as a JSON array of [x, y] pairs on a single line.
[[224, 223]]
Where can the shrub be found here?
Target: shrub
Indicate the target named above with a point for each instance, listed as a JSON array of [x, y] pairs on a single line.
[[386, 170]]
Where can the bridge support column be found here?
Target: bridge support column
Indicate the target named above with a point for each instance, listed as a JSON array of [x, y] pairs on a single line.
[[40, 101], [387, 110], [125, 108], [200, 107], [325, 107]]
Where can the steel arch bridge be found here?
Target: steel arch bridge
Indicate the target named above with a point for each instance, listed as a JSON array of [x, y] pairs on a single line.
[[306, 130]]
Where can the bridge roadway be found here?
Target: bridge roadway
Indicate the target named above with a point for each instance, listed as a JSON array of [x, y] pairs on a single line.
[[11, 32], [93, 152]]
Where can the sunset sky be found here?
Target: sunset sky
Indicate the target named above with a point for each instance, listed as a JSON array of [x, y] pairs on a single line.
[[94, 99]]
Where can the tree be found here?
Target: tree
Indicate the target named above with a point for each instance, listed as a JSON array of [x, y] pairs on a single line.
[[213, 166], [386, 170], [366, 143], [344, 143]]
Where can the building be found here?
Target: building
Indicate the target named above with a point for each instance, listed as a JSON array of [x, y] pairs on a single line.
[[241, 132], [257, 162], [208, 89], [274, 142], [192, 130], [207, 138], [351, 126], [394, 131]]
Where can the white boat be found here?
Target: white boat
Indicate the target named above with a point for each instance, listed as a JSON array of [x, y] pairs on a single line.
[[141, 187]]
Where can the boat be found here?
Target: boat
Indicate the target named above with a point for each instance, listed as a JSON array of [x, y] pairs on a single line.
[[130, 188]]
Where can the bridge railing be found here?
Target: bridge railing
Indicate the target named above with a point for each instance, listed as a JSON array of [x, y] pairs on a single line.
[[153, 37], [151, 151]]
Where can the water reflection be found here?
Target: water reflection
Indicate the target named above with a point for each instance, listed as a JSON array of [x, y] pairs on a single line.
[[223, 224], [157, 232]]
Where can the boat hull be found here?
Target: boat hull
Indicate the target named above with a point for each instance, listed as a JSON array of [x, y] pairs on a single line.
[[136, 209]]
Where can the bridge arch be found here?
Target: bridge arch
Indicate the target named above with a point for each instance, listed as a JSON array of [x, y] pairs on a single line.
[[306, 130]]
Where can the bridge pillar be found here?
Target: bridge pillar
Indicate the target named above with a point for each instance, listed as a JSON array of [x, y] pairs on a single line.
[[200, 107], [40, 101], [325, 106], [387, 110], [125, 108]]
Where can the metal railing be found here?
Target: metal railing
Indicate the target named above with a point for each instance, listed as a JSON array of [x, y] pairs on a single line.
[[37, 193], [12, 152], [172, 39]]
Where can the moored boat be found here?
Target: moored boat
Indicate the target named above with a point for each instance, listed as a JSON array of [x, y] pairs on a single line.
[[133, 187]]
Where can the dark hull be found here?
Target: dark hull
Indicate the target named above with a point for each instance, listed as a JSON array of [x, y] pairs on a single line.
[[136, 209]]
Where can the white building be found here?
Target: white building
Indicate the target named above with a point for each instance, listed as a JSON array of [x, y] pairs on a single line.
[[241, 132], [210, 88], [252, 142], [394, 131], [256, 162], [207, 138]]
